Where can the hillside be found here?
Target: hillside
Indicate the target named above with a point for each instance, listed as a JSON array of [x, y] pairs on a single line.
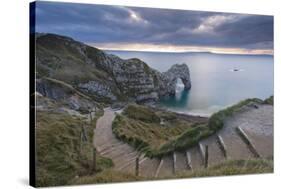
[[103, 77]]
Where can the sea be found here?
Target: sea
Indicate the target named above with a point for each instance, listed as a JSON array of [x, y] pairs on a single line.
[[218, 80]]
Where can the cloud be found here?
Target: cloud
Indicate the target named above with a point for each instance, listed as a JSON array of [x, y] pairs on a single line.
[[130, 25]]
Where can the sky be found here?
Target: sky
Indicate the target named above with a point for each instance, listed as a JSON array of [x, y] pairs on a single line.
[[149, 29]]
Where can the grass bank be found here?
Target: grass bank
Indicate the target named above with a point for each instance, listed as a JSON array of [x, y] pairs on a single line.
[[216, 120], [107, 176], [230, 167], [61, 152], [157, 132]]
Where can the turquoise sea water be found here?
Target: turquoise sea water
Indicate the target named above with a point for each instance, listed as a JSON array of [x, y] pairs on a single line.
[[215, 84]]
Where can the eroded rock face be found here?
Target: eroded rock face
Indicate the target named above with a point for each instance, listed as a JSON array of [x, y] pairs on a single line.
[[98, 89], [103, 76], [136, 80], [64, 94]]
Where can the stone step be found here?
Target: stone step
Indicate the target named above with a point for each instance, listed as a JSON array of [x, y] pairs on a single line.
[[236, 147], [108, 147], [112, 148], [188, 160], [195, 158], [247, 141], [180, 162], [167, 167], [262, 143], [148, 167], [174, 162], [121, 148], [215, 154], [159, 167], [118, 152], [106, 141], [130, 165], [201, 150], [125, 159], [222, 146]]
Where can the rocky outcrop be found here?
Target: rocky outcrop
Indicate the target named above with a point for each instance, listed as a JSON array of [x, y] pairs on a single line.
[[177, 71], [106, 78], [63, 93], [98, 89]]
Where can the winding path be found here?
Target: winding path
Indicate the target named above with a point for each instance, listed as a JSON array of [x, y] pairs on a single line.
[[255, 122]]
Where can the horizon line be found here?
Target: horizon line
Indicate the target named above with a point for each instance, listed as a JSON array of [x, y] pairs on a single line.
[[179, 49], [182, 52]]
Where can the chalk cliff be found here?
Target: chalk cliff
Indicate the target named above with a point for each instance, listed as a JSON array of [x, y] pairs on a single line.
[[103, 77]]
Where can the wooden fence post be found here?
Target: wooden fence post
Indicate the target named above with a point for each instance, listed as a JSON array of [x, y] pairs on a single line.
[[81, 140], [91, 118], [137, 166], [94, 168], [206, 156]]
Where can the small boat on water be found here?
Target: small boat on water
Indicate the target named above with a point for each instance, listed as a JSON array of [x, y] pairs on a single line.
[[236, 70]]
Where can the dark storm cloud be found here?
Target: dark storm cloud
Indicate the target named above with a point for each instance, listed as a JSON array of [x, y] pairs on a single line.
[[116, 24]]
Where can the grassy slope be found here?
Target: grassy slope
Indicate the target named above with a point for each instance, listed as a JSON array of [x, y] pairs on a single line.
[[233, 167], [140, 126], [230, 167], [58, 153], [107, 176], [62, 61]]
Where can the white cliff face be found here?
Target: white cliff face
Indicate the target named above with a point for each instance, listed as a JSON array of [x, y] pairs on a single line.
[[142, 83], [98, 89], [117, 79]]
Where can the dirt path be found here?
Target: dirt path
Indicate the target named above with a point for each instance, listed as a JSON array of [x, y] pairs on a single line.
[[256, 122]]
